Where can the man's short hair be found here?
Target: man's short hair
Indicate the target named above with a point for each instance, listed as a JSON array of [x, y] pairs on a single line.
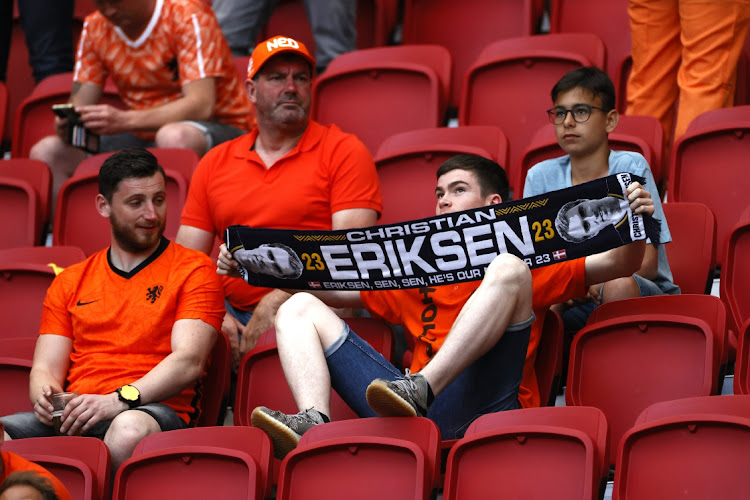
[[131, 163], [562, 222], [589, 78], [491, 176], [294, 263], [30, 478]]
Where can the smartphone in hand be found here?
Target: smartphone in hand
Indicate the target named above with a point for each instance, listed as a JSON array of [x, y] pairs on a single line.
[[77, 134]]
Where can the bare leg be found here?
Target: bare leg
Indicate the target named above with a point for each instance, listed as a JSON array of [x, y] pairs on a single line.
[[181, 135], [126, 431], [61, 158], [305, 328], [619, 289], [503, 298]]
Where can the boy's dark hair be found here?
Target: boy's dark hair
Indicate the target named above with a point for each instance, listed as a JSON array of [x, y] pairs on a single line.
[[491, 176], [590, 78], [131, 163], [30, 478]]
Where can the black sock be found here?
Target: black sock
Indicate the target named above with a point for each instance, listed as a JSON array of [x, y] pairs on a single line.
[[322, 415], [430, 394]]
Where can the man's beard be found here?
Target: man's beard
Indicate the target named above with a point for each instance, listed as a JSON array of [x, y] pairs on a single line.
[[129, 240]]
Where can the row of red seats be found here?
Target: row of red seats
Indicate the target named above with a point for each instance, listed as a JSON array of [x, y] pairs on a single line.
[[688, 448]]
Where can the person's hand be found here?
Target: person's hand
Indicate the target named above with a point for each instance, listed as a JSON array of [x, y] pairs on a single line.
[[232, 328], [103, 119], [640, 199], [225, 264], [595, 293], [43, 406], [259, 323], [84, 411]]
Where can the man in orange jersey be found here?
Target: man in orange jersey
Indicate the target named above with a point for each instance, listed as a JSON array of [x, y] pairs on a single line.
[[130, 328], [290, 172], [174, 72], [474, 341]]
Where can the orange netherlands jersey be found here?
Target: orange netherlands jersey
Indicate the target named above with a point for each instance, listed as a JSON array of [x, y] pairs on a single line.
[[181, 44], [428, 313], [121, 323]]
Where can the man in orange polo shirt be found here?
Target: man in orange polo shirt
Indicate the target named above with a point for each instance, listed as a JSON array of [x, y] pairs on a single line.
[[290, 172], [130, 328]]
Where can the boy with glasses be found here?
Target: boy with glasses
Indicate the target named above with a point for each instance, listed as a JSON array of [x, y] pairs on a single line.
[[583, 115]]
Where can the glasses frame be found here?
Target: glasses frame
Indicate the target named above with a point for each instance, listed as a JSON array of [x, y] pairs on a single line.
[[570, 110]]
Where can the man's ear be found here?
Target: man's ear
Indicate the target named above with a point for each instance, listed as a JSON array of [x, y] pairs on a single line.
[[494, 199], [102, 206], [613, 117], [250, 89]]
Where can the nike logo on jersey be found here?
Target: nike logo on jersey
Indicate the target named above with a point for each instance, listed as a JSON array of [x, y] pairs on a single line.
[[79, 303]]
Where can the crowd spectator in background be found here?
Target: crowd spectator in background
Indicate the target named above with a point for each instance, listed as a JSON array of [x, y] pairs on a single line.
[[685, 55], [290, 172], [174, 72], [333, 24]]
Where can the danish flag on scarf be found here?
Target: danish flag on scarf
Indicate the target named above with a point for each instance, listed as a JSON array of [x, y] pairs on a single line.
[[559, 254]]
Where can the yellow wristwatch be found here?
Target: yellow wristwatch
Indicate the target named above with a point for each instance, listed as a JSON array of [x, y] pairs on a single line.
[[130, 395]]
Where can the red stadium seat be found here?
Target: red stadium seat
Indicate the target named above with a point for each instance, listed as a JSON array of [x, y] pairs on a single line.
[[549, 358], [555, 452], [3, 109], [411, 159], [692, 251], [742, 364], [733, 285], [39, 177], [216, 383], [16, 355], [21, 213]]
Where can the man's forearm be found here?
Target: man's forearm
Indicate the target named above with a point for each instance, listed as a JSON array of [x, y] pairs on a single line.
[[38, 379], [170, 377]]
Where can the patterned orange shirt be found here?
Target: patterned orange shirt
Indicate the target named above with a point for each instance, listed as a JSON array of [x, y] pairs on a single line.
[[181, 44]]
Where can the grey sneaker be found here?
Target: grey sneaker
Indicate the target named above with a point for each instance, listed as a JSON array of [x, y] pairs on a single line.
[[284, 430], [405, 397]]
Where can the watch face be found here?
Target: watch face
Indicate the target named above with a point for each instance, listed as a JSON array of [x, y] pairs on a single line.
[[129, 392]]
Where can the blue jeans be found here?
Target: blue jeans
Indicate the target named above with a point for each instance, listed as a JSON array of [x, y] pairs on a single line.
[[488, 385]]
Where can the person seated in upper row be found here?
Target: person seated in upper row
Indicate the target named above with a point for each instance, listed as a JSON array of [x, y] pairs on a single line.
[[583, 115], [290, 172], [480, 344], [174, 72]]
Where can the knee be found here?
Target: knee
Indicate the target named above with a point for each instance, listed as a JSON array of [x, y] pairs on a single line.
[[509, 271], [620, 288], [181, 135], [48, 150], [128, 429], [299, 306]]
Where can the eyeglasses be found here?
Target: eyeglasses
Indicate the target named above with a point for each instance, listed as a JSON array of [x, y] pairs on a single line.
[[580, 112]]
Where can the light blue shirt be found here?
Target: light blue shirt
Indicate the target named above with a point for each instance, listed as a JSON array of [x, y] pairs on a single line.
[[554, 174]]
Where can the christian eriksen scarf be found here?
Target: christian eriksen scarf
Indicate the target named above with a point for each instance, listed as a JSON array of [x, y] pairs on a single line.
[[561, 225]]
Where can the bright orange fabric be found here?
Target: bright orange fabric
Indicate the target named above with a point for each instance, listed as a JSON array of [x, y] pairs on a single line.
[[121, 324], [428, 314], [182, 44], [326, 172], [685, 47], [13, 462]]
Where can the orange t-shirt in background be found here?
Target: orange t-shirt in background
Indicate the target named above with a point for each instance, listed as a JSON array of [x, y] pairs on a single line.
[[326, 172], [182, 43], [121, 323]]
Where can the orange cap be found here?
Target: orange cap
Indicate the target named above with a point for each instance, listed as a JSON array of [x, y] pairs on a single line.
[[273, 46]]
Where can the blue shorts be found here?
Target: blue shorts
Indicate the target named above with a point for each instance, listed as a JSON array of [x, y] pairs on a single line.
[[26, 425], [488, 385]]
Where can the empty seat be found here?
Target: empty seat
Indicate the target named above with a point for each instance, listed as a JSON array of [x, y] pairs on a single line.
[[252, 441], [508, 84], [709, 166], [82, 464], [412, 158], [742, 364], [37, 174], [19, 204], [733, 285], [465, 28], [16, 355], [549, 358], [555, 452], [215, 386], [25, 275], [367, 458], [692, 251], [3, 108], [623, 365], [377, 92], [688, 448], [207, 466]]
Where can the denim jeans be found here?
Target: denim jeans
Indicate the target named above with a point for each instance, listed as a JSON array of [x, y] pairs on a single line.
[[488, 385]]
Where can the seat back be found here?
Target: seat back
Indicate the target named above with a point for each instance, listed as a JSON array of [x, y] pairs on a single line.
[[3, 108], [709, 166], [16, 355], [216, 383], [742, 363], [339, 458], [37, 174], [688, 448], [549, 358], [249, 440], [567, 445], [82, 464], [412, 158], [473, 25], [623, 365], [733, 285], [505, 84], [20, 207], [377, 92], [25, 275], [692, 251]]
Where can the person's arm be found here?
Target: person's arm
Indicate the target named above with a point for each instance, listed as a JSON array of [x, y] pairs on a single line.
[[198, 103], [650, 263], [195, 238], [48, 372], [192, 340]]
